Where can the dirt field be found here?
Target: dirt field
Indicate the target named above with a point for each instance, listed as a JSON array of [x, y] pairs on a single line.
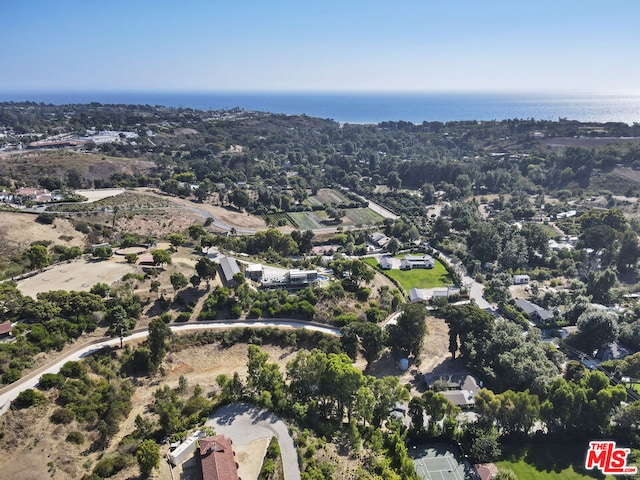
[[229, 216], [99, 194], [18, 230], [79, 275]]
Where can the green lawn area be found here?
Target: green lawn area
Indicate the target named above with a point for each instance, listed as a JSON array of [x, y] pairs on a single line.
[[418, 278], [548, 462]]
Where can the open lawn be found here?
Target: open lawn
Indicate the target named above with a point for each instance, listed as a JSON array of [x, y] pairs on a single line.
[[548, 462], [438, 276]]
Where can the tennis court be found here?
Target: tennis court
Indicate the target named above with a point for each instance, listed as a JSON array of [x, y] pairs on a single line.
[[439, 461]]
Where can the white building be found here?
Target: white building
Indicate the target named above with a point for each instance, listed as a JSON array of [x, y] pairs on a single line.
[[386, 263], [409, 262]]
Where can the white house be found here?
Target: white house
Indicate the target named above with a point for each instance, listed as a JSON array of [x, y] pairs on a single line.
[[409, 262], [386, 263], [521, 279]]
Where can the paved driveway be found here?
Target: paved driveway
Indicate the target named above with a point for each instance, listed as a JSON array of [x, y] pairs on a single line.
[[244, 423]]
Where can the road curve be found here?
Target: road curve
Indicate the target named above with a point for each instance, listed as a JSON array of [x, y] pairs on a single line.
[[10, 392], [243, 423]]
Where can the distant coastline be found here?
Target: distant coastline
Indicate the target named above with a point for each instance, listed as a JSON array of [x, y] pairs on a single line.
[[375, 107]]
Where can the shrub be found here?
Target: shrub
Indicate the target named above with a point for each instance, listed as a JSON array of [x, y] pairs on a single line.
[[46, 218], [62, 416], [73, 370], [110, 465], [75, 437], [11, 375], [363, 294], [166, 317], [346, 319], [50, 380], [29, 398], [183, 317]]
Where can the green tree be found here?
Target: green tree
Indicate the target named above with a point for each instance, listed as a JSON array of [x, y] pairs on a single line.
[[239, 198], [360, 272], [159, 334], [148, 456], [131, 257], [176, 239], [596, 329], [206, 269], [393, 246], [178, 281], [103, 252], [120, 324], [160, 257], [370, 337], [406, 337], [38, 257]]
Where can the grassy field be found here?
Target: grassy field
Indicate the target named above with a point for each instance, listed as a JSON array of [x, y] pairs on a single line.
[[304, 220], [548, 462], [418, 278], [363, 216]]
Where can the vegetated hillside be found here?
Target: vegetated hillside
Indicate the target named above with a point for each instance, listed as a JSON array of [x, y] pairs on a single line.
[[75, 169], [20, 230]]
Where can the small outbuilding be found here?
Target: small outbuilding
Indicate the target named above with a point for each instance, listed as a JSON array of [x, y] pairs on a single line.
[[521, 279]]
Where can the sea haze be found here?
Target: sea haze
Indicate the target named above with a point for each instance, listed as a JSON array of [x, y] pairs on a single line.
[[376, 107]]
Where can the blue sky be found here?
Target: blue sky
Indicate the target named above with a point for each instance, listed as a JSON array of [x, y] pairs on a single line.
[[348, 45]]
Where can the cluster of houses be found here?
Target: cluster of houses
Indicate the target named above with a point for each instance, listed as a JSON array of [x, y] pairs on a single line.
[[266, 277], [36, 195]]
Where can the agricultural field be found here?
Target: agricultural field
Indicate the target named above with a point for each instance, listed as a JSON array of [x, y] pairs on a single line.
[[362, 216], [327, 196], [306, 220], [419, 277]]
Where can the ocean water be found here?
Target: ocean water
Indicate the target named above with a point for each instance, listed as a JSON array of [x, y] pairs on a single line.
[[377, 107]]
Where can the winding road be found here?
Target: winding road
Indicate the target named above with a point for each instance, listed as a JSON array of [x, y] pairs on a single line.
[[10, 392]]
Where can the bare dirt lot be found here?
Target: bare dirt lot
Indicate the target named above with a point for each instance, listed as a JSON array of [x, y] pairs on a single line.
[[99, 194], [230, 216], [79, 275]]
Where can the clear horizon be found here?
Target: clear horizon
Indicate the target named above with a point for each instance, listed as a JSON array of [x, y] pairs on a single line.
[[282, 46]]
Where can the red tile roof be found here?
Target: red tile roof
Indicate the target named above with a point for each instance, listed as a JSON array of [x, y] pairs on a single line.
[[217, 460]]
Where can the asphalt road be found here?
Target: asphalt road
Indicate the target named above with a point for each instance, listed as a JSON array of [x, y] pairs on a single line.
[[244, 423]]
